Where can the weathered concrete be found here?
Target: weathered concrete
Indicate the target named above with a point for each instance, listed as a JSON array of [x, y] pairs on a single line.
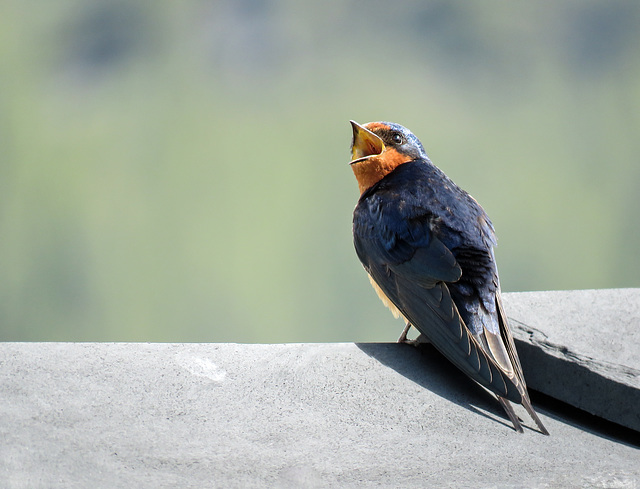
[[582, 347], [311, 415]]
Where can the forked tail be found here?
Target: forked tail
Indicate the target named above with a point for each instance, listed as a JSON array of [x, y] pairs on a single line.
[[514, 418]]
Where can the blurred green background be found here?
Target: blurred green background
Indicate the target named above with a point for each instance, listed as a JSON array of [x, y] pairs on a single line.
[[178, 171]]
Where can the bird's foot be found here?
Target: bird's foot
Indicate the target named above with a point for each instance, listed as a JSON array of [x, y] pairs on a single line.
[[420, 340]]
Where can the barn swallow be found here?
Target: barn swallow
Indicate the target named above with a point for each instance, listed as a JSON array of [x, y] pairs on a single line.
[[427, 246]]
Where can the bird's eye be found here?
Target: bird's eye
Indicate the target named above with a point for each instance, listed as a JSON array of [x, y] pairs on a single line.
[[397, 138]]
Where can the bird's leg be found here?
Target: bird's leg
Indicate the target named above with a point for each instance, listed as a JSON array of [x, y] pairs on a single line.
[[405, 331], [419, 340]]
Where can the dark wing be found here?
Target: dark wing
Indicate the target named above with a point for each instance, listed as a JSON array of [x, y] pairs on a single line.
[[412, 266]]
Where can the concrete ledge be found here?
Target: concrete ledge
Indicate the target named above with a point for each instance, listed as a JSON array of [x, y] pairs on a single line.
[[323, 415], [582, 347], [293, 415]]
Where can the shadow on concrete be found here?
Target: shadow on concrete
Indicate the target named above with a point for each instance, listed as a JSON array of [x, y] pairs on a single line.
[[595, 425], [426, 366], [586, 389]]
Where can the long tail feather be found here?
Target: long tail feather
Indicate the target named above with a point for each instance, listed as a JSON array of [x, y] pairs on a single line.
[[511, 413], [527, 405]]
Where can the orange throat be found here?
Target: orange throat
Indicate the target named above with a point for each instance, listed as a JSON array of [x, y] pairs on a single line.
[[371, 170]]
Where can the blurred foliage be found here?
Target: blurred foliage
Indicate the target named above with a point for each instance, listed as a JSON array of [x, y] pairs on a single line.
[[177, 171]]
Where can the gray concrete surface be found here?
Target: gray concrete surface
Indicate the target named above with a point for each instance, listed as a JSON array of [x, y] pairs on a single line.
[[582, 347], [293, 415]]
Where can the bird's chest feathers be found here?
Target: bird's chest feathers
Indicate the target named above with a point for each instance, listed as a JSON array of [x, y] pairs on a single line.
[[398, 219]]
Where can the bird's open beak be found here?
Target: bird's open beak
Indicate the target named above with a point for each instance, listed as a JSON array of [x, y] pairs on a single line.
[[365, 143]]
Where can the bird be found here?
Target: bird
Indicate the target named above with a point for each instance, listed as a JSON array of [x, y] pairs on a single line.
[[428, 248]]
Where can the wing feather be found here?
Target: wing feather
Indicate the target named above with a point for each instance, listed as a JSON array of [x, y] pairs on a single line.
[[412, 276]]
